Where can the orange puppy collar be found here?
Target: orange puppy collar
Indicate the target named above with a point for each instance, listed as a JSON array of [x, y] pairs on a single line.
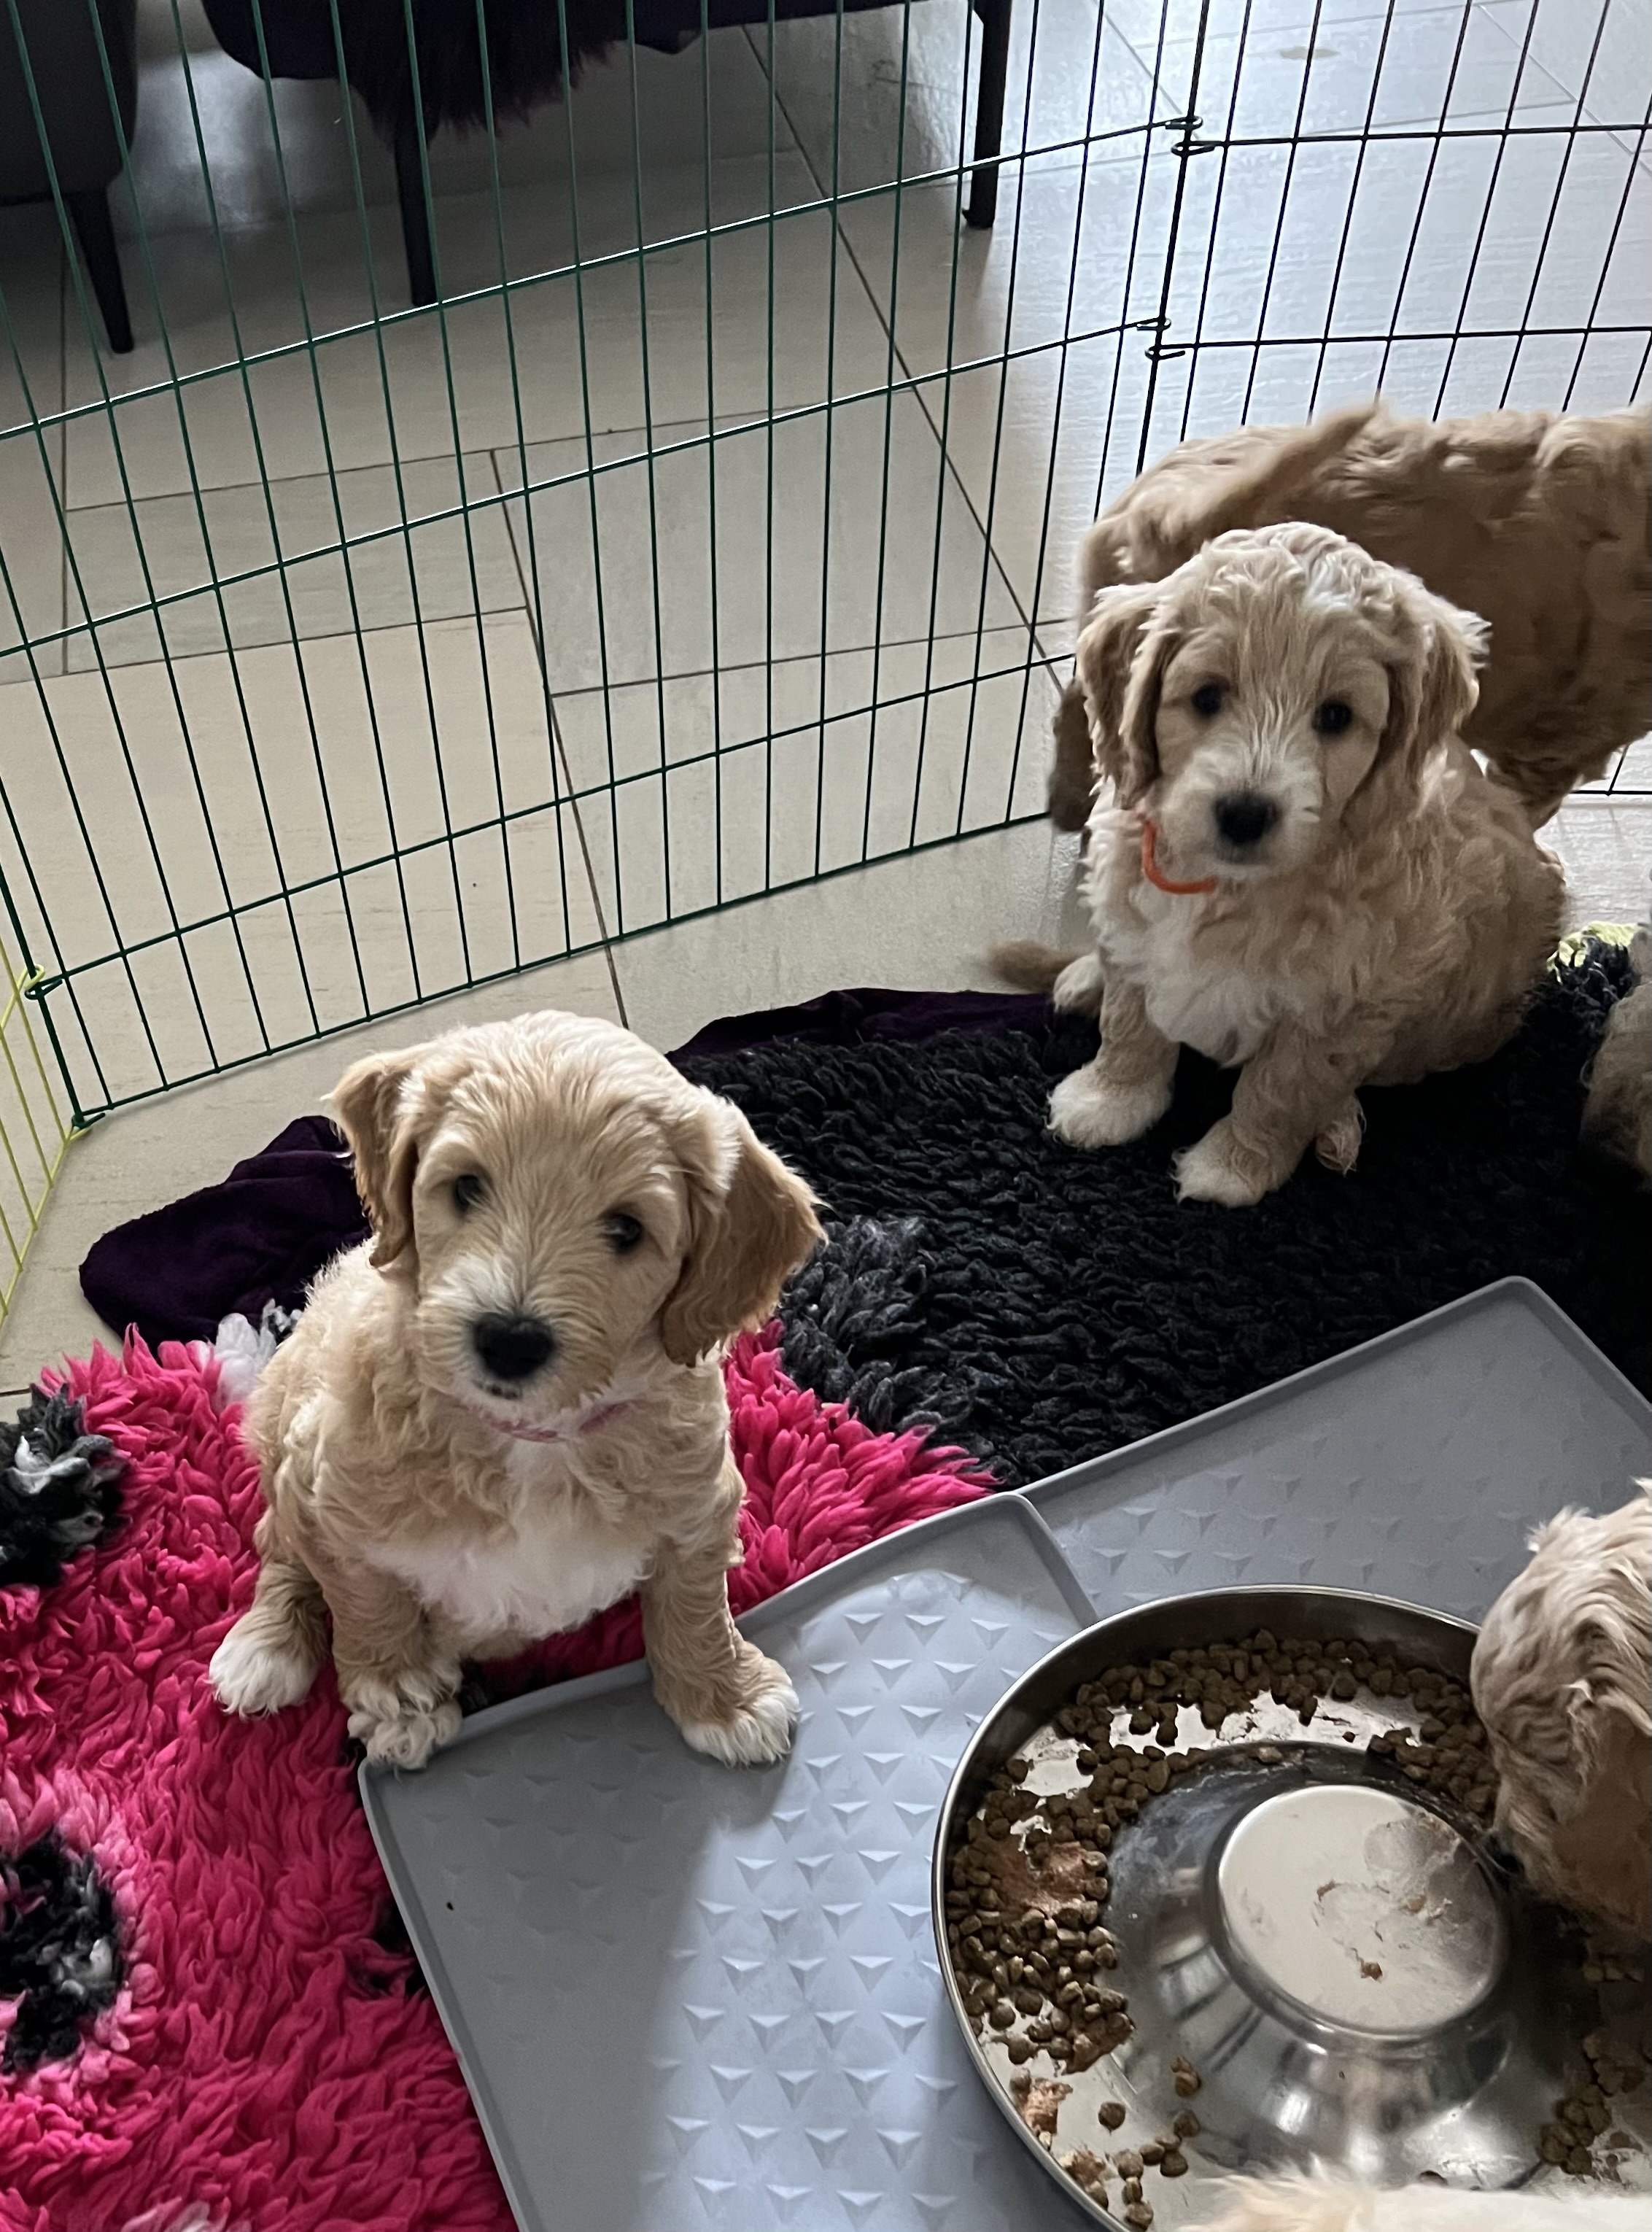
[[1150, 867]]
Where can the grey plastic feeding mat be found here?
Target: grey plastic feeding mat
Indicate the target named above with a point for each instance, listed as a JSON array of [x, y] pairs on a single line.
[[686, 1995]]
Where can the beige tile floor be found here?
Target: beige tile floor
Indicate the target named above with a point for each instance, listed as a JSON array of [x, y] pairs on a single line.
[[800, 673]]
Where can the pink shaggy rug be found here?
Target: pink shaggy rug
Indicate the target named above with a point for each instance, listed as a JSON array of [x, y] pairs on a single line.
[[264, 2068]]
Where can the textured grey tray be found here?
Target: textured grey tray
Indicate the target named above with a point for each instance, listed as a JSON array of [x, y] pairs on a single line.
[[686, 1996], [1414, 1466]]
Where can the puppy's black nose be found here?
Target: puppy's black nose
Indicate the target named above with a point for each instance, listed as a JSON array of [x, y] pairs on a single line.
[[513, 1348], [1245, 819]]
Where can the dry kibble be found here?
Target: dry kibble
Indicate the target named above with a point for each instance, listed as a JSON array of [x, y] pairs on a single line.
[[1027, 1875], [1138, 2214], [1087, 2170]]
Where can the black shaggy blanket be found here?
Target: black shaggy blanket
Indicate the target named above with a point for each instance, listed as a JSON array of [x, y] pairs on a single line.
[[1035, 1304]]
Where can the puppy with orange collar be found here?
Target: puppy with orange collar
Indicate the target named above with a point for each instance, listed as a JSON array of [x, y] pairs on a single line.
[[1300, 869]]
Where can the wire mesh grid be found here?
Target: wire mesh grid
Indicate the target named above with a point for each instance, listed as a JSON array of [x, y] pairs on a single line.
[[711, 529], [34, 1125]]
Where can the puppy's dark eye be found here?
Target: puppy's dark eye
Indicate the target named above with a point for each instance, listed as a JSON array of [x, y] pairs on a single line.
[[624, 1232], [1206, 700], [468, 1191], [1334, 716]]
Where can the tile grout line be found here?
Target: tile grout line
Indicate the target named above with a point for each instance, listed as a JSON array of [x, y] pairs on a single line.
[[62, 454], [319, 478], [1028, 622], [536, 629], [1016, 628]]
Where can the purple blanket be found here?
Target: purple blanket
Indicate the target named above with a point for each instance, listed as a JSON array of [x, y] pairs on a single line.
[[264, 1232]]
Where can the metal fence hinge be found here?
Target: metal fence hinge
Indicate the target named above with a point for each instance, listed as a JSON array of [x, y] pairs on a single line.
[[1187, 144], [1158, 353]]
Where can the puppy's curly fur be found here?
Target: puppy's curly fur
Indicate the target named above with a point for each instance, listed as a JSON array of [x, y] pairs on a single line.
[[1358, 903], [1539, 523], [1308, 2205], [444, 1493], [1562, 1679]]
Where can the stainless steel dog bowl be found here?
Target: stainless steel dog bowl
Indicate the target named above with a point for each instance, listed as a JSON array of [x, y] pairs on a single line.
[[1359, 1988]]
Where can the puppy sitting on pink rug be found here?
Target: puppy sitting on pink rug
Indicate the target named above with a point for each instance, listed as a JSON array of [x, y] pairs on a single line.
[[506, 1410]]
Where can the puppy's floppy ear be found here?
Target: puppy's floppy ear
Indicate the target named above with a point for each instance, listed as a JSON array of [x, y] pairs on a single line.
[[1122, 655], [371, 1103], [1432, 687], [751, 1222]]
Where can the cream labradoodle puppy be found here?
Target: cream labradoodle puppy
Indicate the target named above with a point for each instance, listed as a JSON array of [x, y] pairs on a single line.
[[1563, 1681], [1538, 522], [1303, 872], [506, 1410]]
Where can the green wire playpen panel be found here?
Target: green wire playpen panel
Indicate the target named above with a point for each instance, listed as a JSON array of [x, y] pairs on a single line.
[[423, 555]]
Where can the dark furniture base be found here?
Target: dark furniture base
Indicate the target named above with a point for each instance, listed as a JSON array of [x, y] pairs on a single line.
[[980, 210], [89, 214], [983, 206]]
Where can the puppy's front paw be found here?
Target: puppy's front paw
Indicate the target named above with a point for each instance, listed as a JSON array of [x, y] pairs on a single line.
[[754, 1724], [402, 1722], [1078, 989], [1216, 1168], [1337, 1145], [257, 1670], [1090, 1111]]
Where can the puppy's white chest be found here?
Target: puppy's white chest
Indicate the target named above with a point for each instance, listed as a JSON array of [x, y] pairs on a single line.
[[550, 1574], [1223, 1012]]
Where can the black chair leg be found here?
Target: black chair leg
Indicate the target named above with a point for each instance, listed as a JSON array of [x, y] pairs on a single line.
[[416, 213], [982, 205], [89, 214]]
